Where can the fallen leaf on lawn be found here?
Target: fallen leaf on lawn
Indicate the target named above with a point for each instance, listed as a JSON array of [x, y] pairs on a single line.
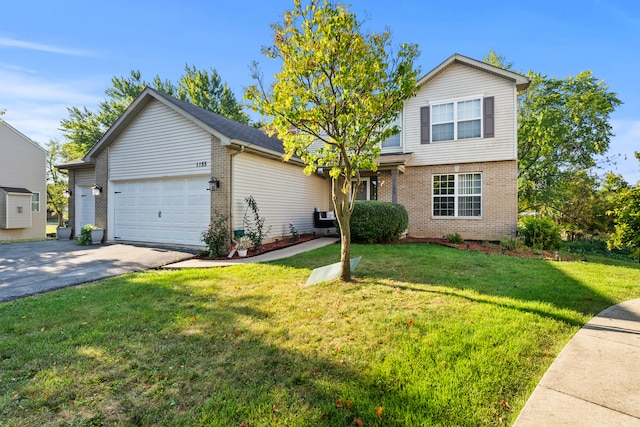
[[358, 422], [409, 321], [349, 405], [505, 404], [378, 411], [339, 404], [324, 415]]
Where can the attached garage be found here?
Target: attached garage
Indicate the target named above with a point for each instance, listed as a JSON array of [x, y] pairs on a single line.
[[170, 210]]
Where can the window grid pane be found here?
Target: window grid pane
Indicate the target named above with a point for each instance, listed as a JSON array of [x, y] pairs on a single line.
[[469, 206], [469, 109], [443, 184], [442, 113], [470, 129], [443, 132], [443, 206]]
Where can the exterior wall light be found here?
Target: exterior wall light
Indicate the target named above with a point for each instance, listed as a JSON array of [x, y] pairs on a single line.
[[96, 190], [66, 193], [214, 184]]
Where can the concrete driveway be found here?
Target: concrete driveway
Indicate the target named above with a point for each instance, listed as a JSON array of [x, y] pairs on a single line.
[[33, 267]]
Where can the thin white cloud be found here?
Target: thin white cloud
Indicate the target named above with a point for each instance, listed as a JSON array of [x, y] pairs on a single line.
[[21, 44], [12, 67], [35, 105]]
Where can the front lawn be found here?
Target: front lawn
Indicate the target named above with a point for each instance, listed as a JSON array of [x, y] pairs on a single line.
[[426, 336]]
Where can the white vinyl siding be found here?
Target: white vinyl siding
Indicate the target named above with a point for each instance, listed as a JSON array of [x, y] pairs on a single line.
[[22, 165], [282, 192], [147, 148], [463, 83]]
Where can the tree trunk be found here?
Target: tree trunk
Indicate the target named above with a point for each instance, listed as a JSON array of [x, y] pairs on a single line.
[[343, 215], [345, 250]]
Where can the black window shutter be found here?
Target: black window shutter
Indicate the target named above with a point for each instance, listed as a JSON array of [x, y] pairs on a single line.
[[425, 129], [489, 128]]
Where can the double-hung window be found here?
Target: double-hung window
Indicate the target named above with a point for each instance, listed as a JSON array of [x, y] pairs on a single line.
[[35, 202], [454, 120], [394, 141], [457, 195]]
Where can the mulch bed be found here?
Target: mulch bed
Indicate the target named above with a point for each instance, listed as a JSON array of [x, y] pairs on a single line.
[[268, 247], [490, 248]]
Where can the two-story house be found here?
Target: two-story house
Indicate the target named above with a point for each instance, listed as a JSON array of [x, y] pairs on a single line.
[[23, 186], [166, 167], [454, 164]]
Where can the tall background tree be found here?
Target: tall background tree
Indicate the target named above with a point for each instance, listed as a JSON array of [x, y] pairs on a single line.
[[341, 89], [626, 216], [563, 129], [57, 181]]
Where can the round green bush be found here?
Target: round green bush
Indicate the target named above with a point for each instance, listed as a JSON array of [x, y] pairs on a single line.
[[378, 222], [540, 233]]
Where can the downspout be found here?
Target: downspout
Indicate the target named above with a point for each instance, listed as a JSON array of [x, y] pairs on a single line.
[[231, 190]]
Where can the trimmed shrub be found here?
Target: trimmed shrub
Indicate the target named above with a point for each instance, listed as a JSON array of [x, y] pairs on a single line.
[[454, 238], [540, 233], [373, 221]]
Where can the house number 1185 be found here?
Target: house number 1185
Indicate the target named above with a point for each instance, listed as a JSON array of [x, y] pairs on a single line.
[[201, 164]]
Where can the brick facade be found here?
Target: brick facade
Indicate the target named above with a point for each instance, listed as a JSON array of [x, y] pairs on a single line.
[[221, 169], [102, 179], [499, 200]]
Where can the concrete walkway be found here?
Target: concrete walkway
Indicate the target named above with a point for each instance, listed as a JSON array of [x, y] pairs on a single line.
[[269, 256], [595, 380]]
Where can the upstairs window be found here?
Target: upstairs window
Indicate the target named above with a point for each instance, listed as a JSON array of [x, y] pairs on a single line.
[[450, 121], [394, 141]]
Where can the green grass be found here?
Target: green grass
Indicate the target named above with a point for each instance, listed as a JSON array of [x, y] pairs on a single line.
[[431, 335]]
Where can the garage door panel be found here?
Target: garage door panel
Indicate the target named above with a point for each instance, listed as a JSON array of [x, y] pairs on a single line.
[[162, 211]]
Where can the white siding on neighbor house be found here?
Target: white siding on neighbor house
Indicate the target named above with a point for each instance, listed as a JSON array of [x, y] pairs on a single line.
[[282, 192], [459, 82], [18, 213], [160, 143], [23, 165]]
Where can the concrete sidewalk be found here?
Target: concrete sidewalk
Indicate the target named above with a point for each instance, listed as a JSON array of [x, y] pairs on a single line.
[[269, 256], [595, 380]]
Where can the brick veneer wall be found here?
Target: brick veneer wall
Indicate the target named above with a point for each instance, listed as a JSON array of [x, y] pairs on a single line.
[[499, 200], [221, 169], [102, 179]]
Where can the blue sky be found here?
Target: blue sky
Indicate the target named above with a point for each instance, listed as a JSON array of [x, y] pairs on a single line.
[[55, 55]]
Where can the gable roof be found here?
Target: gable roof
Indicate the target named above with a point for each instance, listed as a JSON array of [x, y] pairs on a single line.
[[21, 135], [521, 82], [227, 130]]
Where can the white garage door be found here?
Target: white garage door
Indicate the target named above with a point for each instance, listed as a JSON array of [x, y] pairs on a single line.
[[172, 210]]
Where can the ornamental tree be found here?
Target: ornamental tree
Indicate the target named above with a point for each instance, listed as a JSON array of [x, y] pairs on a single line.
[[335, 97]]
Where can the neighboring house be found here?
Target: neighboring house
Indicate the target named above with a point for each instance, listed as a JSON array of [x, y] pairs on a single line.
[[147, 179], [23, 186], [453, 166]]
